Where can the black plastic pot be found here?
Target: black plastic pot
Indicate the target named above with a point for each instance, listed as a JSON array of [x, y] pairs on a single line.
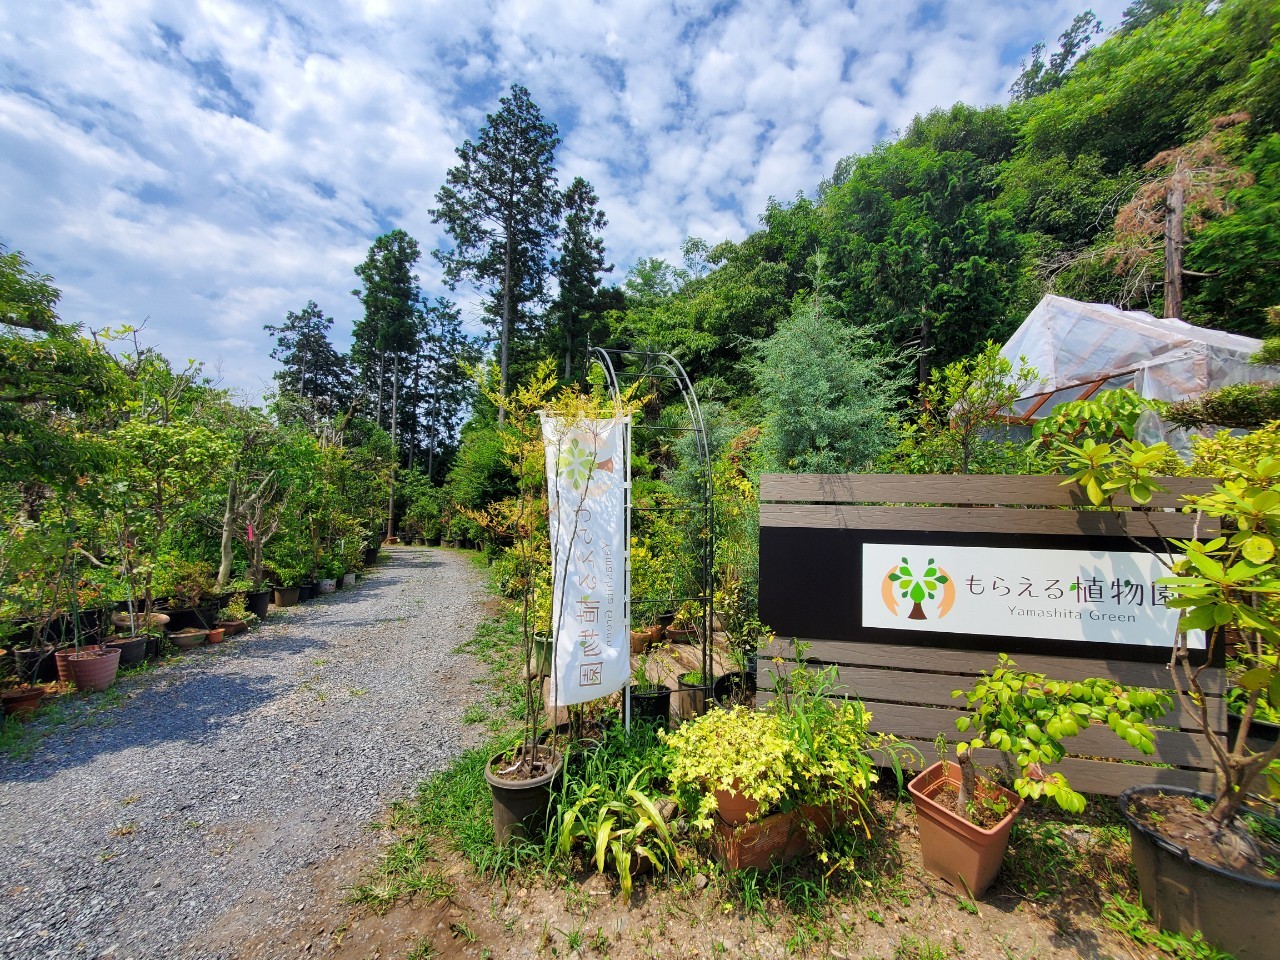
[[1262, 735], [1235, 913], [306, 591], [155, 644], [187, 618], [35, 664], [520, 806], [257, 602], [652, 706], [733, 688], [433, 541], [370, 555], [133, 650]]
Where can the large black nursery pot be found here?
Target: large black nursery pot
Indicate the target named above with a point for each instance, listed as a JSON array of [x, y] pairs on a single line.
[[257, 601], [370, 555], [1235, 912], [306, 591], [652, 705], [735, 688], [520, 806]]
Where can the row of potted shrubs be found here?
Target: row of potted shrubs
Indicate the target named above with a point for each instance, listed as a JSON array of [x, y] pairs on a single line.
[[81, 649]]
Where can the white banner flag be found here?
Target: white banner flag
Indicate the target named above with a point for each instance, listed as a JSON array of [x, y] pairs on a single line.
[[586, 478]]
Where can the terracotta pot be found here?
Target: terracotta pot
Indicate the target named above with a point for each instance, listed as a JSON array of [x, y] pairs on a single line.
[[214, 636], [95, 670], [189, 639], [1234, 912], [777, 838], [141, 622], [681, 634], [231, 627], [20, 701], [961, 853], [642, 639], [63, 659], [733, 808]]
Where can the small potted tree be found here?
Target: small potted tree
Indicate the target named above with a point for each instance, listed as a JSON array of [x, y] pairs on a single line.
[[964, 820], [1208, 862]]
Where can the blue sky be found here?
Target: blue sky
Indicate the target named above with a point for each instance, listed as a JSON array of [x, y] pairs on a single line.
[[208, 165]]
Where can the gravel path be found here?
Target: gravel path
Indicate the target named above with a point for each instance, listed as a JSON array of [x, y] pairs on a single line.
[[214, 801]]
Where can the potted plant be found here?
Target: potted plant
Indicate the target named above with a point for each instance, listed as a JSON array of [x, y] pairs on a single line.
[[691, 694], [649, 700], [964, 820], [235, 616], [1205, 860], [770, 783]]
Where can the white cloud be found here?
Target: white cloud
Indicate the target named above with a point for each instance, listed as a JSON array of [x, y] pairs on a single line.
[[214, 164]]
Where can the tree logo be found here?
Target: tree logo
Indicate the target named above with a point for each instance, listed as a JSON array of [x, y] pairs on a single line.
[[934, 586]]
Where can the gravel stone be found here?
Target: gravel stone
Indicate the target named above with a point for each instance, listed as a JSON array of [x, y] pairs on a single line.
[[210, 795]]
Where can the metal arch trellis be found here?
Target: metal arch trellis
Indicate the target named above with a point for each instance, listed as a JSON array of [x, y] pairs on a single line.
[[663, 366]]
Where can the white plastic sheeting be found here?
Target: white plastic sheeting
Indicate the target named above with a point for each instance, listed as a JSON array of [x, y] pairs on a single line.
[[1074, 345]]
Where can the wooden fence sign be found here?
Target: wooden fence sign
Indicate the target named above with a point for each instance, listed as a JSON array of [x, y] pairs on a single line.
[[912, 585]]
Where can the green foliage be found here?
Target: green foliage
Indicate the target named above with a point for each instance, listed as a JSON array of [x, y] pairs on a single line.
[[1133, 921], [609, 803], [826, 395], [1243, 405], [1230, 580], [1107, 415], [961, 417], [1028, 716], [500, 206], [807, 749]]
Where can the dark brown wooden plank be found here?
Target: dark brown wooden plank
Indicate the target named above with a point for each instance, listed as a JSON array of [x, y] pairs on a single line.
[[1088, 776], [927, 520], [948, 489], [971, 662], [925, 723], [935, 689]]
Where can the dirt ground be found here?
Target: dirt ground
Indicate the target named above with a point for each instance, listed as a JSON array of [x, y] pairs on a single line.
[[903, 914]]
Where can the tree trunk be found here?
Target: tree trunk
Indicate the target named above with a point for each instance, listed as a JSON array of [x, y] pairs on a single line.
[[917, 612], [228, 529], [377, 417], [395, 450], [968, 784], [506, 331], [1173, 242]]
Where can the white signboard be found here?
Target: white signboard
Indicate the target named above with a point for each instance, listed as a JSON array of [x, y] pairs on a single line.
[[1083, 595], [586, 478]]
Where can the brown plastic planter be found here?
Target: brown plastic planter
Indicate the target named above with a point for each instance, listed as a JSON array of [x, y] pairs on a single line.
[[286, 596], [961, 853]]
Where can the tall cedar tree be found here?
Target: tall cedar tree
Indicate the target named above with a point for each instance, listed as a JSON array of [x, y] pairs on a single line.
[[580, 269], [502, 209], [312, 369], [388, 329]]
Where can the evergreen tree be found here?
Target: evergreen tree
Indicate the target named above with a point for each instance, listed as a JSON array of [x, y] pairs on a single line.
[[388, 330], [580, 269], [826, 394], [501, 207], [311, 368], [442, 383]]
